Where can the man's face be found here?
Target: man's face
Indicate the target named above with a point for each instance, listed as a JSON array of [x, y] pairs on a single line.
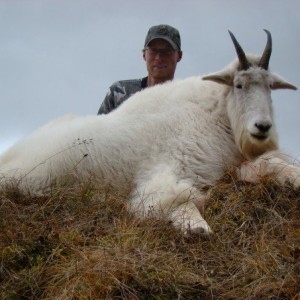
[[161, 59]]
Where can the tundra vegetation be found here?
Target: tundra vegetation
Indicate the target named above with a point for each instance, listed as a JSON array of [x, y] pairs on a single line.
[[83, 243]]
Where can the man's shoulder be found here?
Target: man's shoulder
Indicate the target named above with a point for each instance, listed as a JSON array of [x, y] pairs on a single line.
[[129, 83], [120, 91]]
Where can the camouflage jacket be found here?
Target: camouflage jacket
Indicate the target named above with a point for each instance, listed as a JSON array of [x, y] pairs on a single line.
[[119, 92]]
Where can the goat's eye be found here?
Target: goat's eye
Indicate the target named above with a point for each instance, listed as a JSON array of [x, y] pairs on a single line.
[[239, 86]]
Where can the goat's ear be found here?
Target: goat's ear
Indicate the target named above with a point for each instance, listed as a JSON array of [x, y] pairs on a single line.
[[222, 78], [279, 83]]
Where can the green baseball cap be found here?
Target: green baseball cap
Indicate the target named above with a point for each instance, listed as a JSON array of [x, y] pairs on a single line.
[[165, 32]]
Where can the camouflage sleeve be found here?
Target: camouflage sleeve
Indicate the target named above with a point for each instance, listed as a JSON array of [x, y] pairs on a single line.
[[115, 96], [108, 103], [118, 93]]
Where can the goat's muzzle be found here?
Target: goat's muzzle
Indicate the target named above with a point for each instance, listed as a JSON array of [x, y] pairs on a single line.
[[262, 130]]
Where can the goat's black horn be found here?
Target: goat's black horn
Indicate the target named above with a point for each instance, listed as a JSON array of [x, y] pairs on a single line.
[[265, 58], [240, 53]]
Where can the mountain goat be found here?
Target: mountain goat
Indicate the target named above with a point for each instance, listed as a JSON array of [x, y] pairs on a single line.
[[166, 142]]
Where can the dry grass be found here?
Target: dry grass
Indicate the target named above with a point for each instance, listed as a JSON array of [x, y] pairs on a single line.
[[80, 243]]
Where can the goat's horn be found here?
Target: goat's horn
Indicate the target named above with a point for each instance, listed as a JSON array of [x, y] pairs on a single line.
[[240, 53], [265, 58]]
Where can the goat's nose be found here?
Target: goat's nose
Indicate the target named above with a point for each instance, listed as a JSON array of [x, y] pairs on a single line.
[[263, 127]]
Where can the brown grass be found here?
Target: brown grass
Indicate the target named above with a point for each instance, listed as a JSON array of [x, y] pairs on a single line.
[[82, 243]]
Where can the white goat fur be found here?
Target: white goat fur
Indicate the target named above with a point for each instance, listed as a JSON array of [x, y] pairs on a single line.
[[166, 142]]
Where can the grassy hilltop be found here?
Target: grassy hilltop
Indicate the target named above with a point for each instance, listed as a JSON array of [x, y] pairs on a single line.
[[82, 243]]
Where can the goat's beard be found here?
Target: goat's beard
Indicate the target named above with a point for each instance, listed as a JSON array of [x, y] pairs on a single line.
[[251, 148]]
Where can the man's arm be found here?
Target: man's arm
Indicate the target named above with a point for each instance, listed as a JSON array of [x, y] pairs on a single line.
[[108, 103], [119, 92]]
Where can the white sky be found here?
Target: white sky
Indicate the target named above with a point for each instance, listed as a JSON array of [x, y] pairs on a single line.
[[59, 57]]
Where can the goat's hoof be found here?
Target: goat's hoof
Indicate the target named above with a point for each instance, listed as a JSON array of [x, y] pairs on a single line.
[[201, 228]]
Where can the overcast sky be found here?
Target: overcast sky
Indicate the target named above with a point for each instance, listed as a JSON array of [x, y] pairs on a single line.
[[60, 56]]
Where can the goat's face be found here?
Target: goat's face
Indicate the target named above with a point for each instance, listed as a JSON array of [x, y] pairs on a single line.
[[249, 102], [249, 107]]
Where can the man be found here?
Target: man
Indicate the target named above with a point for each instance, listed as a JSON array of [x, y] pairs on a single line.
[[162, 52]]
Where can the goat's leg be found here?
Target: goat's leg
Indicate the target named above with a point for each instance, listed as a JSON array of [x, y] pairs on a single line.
[[274, 163], [162, 193]]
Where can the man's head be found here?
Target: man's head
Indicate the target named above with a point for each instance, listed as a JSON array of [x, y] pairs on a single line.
[[162, 52]]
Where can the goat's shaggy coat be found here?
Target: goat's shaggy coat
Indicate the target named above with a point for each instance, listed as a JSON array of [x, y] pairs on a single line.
[[165, 142]]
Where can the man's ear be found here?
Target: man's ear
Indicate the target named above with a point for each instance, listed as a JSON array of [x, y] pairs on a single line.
[[179, 56]]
